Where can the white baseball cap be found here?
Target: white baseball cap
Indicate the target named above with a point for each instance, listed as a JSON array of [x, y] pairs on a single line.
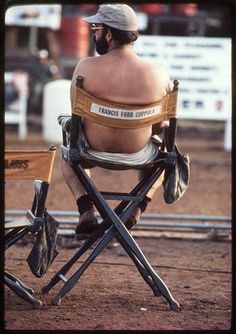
[[119, 16]]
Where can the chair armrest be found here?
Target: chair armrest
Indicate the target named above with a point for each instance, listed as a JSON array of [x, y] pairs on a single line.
[[65, 122]]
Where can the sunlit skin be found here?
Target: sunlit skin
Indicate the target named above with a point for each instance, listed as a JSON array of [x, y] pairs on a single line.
[[120, 76]]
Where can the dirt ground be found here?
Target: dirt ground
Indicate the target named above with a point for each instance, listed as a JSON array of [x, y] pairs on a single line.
[[111, 295]]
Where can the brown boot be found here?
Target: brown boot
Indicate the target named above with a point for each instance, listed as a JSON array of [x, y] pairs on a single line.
[[87, 224], [134, 218]]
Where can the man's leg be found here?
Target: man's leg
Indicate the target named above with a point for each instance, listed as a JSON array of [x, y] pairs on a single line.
[[155, 186], [72, 180], [135, 216], [156, 129], [87, 221]]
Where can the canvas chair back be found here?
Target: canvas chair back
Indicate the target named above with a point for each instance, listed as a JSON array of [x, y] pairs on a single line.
[[37, 166], [84, 105], [122, 115], [29, 164]]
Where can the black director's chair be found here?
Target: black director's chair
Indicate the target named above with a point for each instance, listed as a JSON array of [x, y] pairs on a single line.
[[28, 165], [114, 220]]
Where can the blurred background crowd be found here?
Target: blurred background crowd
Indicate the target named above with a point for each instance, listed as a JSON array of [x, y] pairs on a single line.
[[45, 42]]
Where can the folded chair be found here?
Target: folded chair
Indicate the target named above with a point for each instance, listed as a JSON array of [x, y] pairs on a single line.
[[28, 165], [75, 153]]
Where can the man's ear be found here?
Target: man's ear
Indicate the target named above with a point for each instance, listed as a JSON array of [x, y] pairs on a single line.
[[109, 36]]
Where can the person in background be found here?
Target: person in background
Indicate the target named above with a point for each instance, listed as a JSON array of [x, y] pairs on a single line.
[[41, 70], [18, 84]]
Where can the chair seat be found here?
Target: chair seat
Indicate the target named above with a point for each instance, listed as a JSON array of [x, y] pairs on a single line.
[[21, 222], [89, 161]]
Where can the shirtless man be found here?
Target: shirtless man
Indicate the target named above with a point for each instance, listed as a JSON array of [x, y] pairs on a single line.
[[118, 75]]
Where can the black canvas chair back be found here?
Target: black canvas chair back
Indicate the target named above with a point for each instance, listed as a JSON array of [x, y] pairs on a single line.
[[36, 166], [75, 153]]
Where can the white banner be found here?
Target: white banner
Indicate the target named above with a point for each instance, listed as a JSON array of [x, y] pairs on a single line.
[[124, 114], [203, 67], [42, 16]]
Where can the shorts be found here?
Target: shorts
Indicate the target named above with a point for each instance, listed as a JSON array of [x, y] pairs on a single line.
[[146, 155]]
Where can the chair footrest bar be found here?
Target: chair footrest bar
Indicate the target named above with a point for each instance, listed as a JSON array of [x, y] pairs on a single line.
[[63, 278], [120, 196]]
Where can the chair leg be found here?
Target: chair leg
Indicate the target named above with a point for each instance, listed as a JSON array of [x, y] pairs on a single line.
[[64, 269], [106, 211], [124, 237], [94, 237], [141, 269], [75, 277], [159, 283], [69, 284], [17, 280], [158, 287], [18, 287]]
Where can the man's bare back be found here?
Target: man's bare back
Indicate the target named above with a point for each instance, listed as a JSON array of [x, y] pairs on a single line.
[[123, 77], [119, 76]]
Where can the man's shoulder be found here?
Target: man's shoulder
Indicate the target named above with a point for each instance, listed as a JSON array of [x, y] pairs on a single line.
[[89, 60], [149, 65], [86, 64], [82, 66], [153, 70], [154, 66]]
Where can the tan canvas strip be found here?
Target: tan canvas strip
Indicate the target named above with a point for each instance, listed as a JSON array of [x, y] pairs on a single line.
[[31, 165], [123, 115]]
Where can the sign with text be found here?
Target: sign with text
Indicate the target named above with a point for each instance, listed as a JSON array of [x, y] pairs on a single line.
[[203, 67], [42, 16]]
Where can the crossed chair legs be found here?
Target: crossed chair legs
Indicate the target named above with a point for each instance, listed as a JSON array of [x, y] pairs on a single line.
[[114, 225]]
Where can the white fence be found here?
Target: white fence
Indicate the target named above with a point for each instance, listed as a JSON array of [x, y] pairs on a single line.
[[56, 100], [203, 67], [16, 112]]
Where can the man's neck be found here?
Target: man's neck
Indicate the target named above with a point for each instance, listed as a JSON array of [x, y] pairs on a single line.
[[119, 47]]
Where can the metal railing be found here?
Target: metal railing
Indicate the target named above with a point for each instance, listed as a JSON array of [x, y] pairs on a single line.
[[149, 221]]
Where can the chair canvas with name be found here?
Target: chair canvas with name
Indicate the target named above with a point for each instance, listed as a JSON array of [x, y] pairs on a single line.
[[36, 166]]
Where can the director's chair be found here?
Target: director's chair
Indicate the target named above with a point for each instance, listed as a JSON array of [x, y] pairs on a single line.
[[114, 220], [28, 165]]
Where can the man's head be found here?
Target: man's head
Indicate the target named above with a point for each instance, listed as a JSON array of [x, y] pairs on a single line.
[[118, 16], [119, 20]]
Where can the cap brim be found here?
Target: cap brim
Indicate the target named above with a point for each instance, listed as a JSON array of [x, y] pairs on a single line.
[[92, 19]]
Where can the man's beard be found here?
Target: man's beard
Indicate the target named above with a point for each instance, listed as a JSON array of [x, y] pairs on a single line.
[[101, 45]]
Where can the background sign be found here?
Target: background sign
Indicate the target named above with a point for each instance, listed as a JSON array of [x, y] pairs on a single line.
[[42, 16], [203, 67]]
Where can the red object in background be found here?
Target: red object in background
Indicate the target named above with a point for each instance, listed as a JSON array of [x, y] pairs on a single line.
[[187, 9], [75, 37], [151, 8], [88, 7]]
